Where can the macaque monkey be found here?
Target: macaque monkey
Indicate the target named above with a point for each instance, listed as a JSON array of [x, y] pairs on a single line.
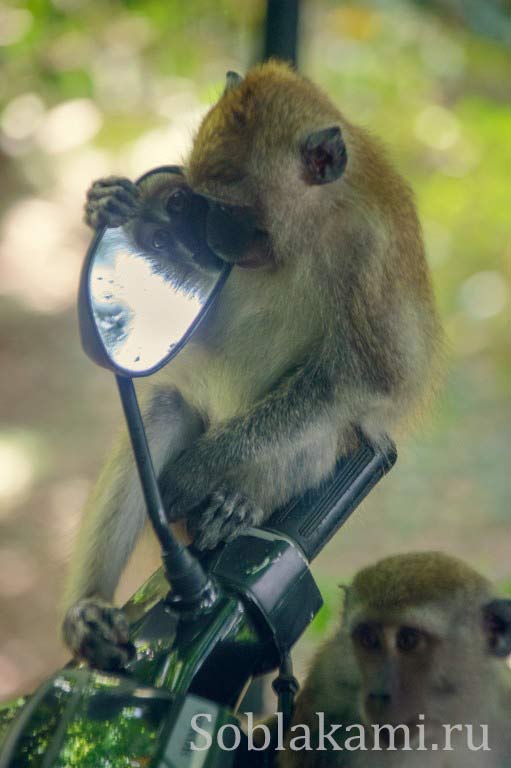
[[326, 325], [423, 642]]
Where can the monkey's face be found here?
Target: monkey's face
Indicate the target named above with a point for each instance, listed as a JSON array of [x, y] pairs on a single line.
[[413, 674], [425, 633], [264, 146], [232, 232], [395, 662], [430, 665]]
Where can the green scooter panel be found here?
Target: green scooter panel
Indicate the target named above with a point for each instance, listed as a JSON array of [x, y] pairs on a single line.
[[91, 719]]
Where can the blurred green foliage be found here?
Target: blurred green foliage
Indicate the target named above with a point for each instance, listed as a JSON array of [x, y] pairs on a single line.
[[54, 42]]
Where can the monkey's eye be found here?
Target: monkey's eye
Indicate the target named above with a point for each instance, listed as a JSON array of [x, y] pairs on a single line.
[[409, 639], [176, 201], [160, 240], [367, 637]]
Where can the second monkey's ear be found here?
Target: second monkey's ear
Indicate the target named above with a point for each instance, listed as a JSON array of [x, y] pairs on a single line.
[[232, 80], [324, 156], [346, 599], [497, 625]]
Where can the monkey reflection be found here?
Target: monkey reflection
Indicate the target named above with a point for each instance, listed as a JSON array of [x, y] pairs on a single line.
[[163, 219]]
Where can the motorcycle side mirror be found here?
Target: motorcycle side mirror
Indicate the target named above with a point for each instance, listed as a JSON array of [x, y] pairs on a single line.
[[136, 307]]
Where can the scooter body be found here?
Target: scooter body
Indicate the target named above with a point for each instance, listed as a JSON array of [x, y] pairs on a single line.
[[196, 662]]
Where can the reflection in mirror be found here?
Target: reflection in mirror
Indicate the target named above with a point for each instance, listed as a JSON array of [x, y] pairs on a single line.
[[142, 305]]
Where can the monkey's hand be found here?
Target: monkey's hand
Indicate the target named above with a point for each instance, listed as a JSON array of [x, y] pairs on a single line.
[[215, 511], [111, 202], [224, 516], [98, 633]]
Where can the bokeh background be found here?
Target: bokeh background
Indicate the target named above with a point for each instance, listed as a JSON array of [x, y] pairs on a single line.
[[93, 87]]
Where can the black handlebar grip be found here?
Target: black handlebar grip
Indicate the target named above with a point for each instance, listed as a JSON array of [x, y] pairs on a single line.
[[312, 519]]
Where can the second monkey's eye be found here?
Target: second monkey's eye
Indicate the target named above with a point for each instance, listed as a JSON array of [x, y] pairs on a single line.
[[160, 240], [409, 639], [367, 637], [176, 201]]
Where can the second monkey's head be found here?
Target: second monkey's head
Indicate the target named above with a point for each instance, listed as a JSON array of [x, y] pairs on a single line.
[[264, 155]]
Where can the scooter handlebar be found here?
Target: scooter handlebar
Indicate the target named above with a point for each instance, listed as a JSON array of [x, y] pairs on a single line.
[[312, 519]]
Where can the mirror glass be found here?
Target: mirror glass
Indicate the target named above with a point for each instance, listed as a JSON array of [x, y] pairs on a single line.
[[146, 302]]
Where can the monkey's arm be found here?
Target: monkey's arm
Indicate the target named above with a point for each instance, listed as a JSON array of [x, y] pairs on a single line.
[[356, 376], [286, 412], [115, 514], [298, 425]]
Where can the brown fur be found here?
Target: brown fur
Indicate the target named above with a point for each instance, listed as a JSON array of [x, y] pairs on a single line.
[[419, 578], [357, 242]]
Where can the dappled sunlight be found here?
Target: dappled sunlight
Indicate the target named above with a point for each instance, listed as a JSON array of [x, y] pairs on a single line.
[[438, 241], [485, 294], [14, 25], [74, 172], [118, 77], [26, 125], [18, 572], [38, 263], [22, 116], [466, 339], [460, 160], [162, 146], [437, 127], [451, 64], [177, 99], [17, 472], [68, 125]]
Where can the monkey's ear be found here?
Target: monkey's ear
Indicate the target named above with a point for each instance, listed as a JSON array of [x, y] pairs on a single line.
[[346, 599], [232, 80], [324, 156], [497, 624]]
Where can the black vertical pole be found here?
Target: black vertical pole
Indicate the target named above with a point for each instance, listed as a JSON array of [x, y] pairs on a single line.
[[183, 570], [281, 30]]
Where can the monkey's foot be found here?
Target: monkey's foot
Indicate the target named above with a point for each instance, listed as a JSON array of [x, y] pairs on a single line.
[[111, 202], [98, 633], [226, 514]]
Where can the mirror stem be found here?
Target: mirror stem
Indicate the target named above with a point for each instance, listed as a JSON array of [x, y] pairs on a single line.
[[188, 581]]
